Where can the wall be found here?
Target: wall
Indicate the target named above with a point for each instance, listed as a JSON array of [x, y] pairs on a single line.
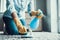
[[0, 4], [1, 22], [2, 9], [58, 16], [52, 10], [48, 14]]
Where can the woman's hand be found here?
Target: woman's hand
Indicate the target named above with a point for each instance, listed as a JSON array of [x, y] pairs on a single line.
[[38, 14]]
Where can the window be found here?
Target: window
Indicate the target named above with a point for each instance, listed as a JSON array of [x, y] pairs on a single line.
[[2, 5], [59, 16]]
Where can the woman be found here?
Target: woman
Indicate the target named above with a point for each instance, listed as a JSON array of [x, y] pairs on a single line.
[[14, 16]]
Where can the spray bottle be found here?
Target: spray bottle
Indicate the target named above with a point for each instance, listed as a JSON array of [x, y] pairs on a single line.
[[35, 22]]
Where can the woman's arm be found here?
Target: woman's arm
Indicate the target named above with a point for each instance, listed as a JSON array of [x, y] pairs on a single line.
[[20, 27], [33, 13], [11, 8]]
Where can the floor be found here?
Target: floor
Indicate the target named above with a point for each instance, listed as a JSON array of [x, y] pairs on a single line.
[[35, 36]]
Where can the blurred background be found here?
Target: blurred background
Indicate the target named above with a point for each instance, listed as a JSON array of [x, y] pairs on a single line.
[[51, 10]]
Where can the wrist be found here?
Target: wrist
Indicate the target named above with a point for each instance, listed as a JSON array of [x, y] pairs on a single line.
[[39, 14], [34, 13], [39, 17]]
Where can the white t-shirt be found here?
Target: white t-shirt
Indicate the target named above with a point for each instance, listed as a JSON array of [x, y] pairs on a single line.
[[18, 6]]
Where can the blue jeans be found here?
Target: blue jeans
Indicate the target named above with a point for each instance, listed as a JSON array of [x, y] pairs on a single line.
[[11, 27]]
